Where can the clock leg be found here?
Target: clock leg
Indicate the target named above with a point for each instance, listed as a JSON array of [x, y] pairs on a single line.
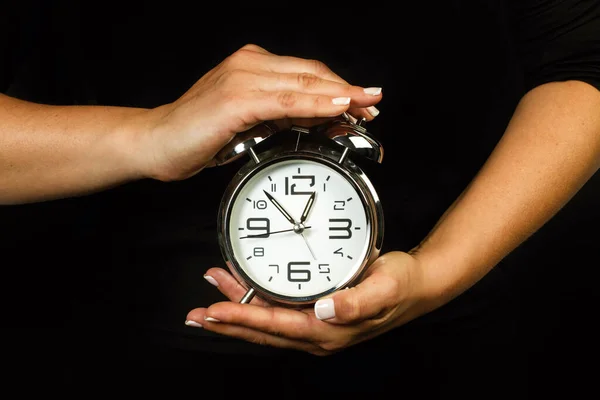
[[248, 296]]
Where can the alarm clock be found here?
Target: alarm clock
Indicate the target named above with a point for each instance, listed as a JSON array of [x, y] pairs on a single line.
[[300, 219]]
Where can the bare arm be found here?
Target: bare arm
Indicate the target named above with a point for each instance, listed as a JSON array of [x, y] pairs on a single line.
[[58, 151], [549, 150]]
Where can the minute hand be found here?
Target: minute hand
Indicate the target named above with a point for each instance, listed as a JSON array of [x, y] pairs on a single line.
[[280, 208]]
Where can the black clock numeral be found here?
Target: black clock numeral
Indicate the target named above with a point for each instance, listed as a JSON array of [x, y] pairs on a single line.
[[259, 252], [291, 188], [345, 232], [259, 204], [276, 266], [324, 269], [340, 253], [259, 224], [339, 205], [298, 275]]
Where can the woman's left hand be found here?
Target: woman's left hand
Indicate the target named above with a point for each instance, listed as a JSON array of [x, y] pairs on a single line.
[[391, 293]]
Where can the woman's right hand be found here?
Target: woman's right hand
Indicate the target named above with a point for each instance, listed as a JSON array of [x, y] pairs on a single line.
[[252, 85]]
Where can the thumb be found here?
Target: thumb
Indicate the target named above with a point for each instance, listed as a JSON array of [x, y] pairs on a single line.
[[353, 305]]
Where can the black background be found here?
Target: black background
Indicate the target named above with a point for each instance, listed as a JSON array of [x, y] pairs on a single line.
[[450, 80]]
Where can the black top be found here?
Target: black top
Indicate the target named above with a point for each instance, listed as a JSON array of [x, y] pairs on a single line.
[[130, 260]]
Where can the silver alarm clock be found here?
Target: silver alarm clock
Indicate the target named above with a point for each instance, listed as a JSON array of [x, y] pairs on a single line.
[[300, 219]]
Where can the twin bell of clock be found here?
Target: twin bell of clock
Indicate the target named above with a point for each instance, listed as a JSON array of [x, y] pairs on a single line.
[[300, 219]]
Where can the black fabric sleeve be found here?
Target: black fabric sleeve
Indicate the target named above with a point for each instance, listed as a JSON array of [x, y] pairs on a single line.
[[557, 40]]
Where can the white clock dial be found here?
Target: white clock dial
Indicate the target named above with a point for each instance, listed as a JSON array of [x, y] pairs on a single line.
[[285, 256]]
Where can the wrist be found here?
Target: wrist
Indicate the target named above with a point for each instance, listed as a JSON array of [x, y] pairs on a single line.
[[131, 141], [447, 269]]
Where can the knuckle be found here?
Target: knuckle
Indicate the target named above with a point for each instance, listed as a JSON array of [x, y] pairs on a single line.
[[349, 308], [348, 89], [231, 60], [307, 80], [320, 352], [238, 58], [251, 47], [334, 346], [318, 66], [329, 347], [241, 56], [321, 103], [259, 340], [287, 99]]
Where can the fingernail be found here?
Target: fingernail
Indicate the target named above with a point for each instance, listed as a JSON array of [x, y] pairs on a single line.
[[324, 309], [211, 319], [341, 101], [194, 324], [374, 91], [373, 111], [211, 280]]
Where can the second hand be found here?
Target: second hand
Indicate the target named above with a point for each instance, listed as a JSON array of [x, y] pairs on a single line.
[[265, 235]]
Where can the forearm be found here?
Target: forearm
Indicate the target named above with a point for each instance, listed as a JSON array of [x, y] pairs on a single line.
[[49, 152], [549, 150]]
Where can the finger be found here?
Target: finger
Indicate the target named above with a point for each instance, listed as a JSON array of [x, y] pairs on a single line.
[[281, 105], [371, 298], [368, 113], [229, 286], [278, 321], [196, 318], [313, 84]]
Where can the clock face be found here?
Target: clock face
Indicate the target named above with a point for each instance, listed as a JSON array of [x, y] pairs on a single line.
[[291, 255]]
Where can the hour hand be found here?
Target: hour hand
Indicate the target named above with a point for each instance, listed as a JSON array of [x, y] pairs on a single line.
[[308, 207], [280, 208]]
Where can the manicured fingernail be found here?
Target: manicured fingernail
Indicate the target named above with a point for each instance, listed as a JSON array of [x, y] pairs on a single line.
[[211, 319], [373, 111], [341, 101], [211, 280], [194, 324], [325, 309], [374, 91]]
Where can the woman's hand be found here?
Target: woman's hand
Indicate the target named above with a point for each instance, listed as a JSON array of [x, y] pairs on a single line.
[[392, 293], [55, 151], [250, 86]]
